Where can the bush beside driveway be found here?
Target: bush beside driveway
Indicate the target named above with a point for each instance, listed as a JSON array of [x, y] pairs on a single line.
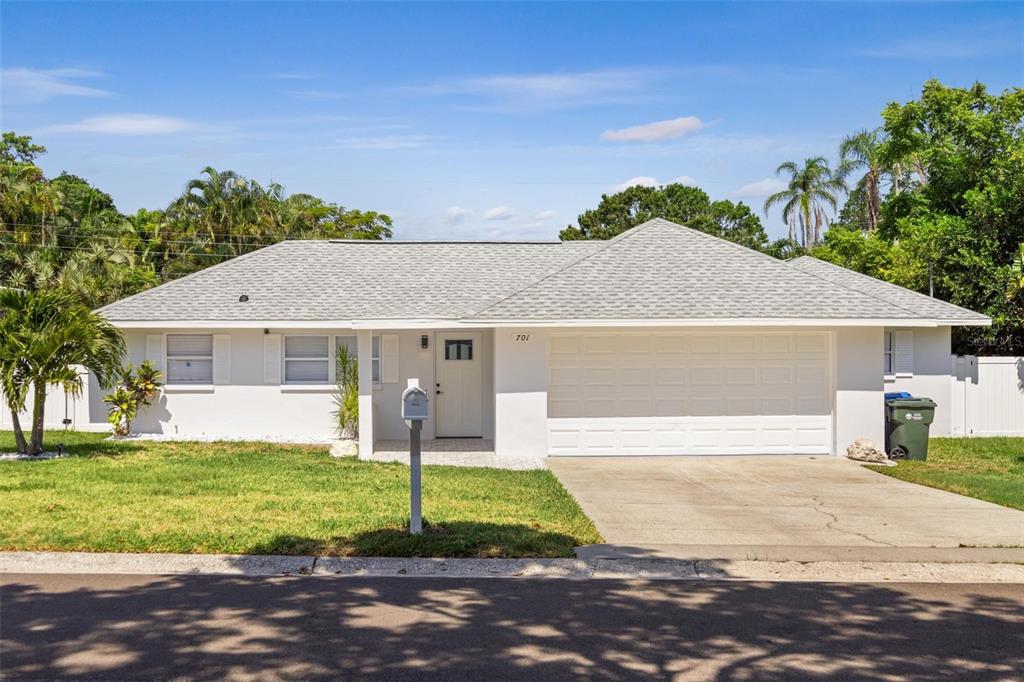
[[261, 498]]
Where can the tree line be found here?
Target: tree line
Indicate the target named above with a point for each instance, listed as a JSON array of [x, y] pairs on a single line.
[[62, 232], [931, 199]]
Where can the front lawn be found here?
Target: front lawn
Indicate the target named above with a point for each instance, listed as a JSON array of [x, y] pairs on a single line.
[[260, 498], [987, 468]]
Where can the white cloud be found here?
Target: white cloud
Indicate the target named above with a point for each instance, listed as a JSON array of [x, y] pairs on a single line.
[[38, 85], [541, 216], [383, 142], [549, 90], [456, 215], [944, 48], [639, 181], [761, 188], [500, 213], [684, 180], [656, 131], [126, 124]]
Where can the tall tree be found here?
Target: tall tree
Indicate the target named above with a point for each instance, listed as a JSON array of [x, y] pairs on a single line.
[[863, 151], [44, 336], [812, 190], [688, 206]]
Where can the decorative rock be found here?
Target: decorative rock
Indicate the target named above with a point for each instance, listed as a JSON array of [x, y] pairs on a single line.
[[345, 447], [864, 450]]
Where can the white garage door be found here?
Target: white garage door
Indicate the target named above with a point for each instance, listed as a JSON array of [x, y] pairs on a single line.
[[689, 393]]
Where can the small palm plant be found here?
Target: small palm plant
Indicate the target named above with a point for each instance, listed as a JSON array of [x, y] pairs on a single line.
[[138, 388], [346, 399]]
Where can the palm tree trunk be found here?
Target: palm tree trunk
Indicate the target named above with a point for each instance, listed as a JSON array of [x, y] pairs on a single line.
[[19, 434], [38, 408], [808, 234]]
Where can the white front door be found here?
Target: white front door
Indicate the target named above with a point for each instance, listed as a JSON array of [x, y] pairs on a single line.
[[459, 385]]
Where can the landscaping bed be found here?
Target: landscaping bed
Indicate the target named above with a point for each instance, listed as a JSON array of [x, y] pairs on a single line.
[[989, 469], [262, 498]]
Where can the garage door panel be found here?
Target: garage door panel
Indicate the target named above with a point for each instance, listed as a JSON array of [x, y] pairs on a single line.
[[737, 343], [705, 375], [705, 343], [689, 393], [741, 376]]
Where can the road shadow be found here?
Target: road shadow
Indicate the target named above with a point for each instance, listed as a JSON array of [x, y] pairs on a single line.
[[213, 627], [450, 539]]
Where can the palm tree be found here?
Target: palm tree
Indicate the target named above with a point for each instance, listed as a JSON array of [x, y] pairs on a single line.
[[811, 191], [45, 336], [864, 150]]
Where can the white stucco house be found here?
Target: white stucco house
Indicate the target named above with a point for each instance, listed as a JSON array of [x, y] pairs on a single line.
[[663, 340]]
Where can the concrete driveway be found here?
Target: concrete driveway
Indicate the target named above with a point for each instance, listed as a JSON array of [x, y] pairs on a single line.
[[722, 506]]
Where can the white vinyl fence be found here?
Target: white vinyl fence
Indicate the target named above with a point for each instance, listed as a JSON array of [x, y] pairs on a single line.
[[62, 410], [987, 396]]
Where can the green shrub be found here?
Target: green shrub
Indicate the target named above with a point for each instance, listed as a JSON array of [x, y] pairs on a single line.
[[346, 398]]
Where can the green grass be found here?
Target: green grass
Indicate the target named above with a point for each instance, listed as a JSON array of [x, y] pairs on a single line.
[[259, 498], [986, 468]]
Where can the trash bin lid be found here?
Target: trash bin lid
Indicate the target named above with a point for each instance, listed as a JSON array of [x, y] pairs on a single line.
[[898, 395], [911, 402]]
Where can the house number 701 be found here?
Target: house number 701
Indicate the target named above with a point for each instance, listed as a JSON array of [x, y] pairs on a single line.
[[522, 338]]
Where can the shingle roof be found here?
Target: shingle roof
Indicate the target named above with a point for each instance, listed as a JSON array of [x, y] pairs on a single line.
[[350, 280], [658, 270], [897, 295]]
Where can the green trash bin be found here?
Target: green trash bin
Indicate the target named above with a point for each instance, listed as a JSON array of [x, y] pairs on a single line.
[[906, 427]]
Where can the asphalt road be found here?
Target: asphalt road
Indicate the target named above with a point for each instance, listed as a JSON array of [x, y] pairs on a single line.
[[214, 627]]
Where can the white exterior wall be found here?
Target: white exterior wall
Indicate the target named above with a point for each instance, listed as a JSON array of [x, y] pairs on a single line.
[[931, 377], [521, 392], [244, 407], [247, 406], [859, 404], [515, 390]]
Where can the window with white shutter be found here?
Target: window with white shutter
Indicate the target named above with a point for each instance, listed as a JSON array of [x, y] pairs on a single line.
[[375, 360], [888, 353], [903, 353], [306, 360], [190, 358]]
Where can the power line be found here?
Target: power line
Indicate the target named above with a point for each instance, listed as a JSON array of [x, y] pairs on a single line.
[[62, 232], [82, 248]]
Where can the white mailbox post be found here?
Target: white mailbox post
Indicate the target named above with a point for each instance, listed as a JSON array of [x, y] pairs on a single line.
[[414, 411]]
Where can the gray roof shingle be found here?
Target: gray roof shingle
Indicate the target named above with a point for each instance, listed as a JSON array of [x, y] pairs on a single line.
[[897, 295], [658, 270], [350, 280]]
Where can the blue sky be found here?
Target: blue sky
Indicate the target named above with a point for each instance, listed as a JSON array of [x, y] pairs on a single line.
[[485, 120]]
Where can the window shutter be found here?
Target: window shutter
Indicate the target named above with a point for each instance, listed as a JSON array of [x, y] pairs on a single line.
[[389, 358], [221, 359], [903, 356], [155, 351], [272, 358]]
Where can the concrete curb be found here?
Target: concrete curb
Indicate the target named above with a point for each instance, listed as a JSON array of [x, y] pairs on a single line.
[[578, 569]]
